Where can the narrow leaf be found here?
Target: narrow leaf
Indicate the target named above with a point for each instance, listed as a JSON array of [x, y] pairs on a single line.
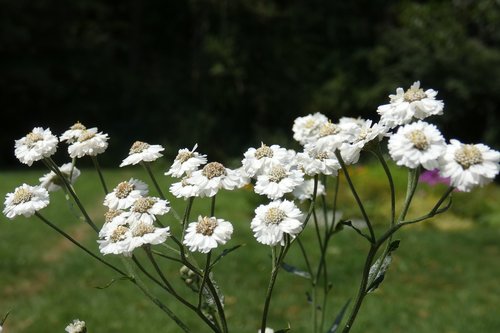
[[295, 270], [224, 253], [113, 281], [338, 319], [378, 269], [4, 318]]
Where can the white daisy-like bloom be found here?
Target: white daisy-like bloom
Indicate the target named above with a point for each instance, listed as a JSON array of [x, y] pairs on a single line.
[[213, 177], [318, 162], [142, 152], [258, 161], [145, 209], [125, 194], [278, 180], [274, 220], [417, 144], [268, 330], [52, 182], [36, 145], [412, 103], [359, 133], [306, 129], [330, 137], [184, 189], [305, 191], [186, 162], [89, 142], [77, 326], [469, 165], [73, 133], [115, 239], [25, 200], [144, 233], [207, 233]]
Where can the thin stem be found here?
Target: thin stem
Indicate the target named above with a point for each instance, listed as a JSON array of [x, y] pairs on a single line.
[[101, 177], [206, 273], [72, 240], [356, 196], [306, 259], [378, 153], [270, 287]]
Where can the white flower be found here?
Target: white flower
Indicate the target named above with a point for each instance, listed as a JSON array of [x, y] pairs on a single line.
[[25, 200], [213, 177], [73, 133], [144, 233], [413, 103], [314, 162], [52, 182], [274, 220], [278, 180], [259, 161], [77, 326], [207, 234], [142, 152], [359, 133], [306, 129], [184, 189], [145, 209], [330, 137], [268, 330], [89, 142], [125, 194], [36, 145], [186, 162], [115, 237], [417, 144], [469, 165], [305, 190]]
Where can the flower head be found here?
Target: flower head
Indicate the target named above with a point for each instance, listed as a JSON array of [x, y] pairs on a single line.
[[52, 182], [417, 144], [258, 161], [307, 129], [36, 145], [469, 165], [213, 177], [412, 103], [89, 142], [142, 152], [186, 162], [125, 194], [146, 209], [77, 326], [25, 200], [207, 233], [305, 190], [73, 133], [143, 233], [184, 189], [278, 180], [315, 162], [274, 220]]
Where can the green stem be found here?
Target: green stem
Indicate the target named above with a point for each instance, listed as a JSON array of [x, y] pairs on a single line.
[[356, 196], [101, 177]]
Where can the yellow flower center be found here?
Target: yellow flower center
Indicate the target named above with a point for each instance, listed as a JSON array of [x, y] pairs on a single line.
[[78, 126], [274, 215], [143, 229], [111, 214], [118, 234], [328, 128], [263, 151], [22, 195], [277, 173], [138, 147], [123, 190], [213, 169], [468, 155], [33, 138], [414, 94], [183, 156], [419, 140], [86, 135], [206, 226], [142, 205]]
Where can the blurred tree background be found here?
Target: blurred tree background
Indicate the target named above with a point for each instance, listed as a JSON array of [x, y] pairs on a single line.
[[228, 74]]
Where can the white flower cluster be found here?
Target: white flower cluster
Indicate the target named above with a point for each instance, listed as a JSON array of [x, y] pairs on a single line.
[[130, 220], [76, 326]]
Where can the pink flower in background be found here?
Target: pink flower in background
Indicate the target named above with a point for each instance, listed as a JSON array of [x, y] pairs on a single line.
[[432, 178]]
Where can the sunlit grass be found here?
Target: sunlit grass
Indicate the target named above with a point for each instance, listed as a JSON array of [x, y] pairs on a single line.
[[443, 278]]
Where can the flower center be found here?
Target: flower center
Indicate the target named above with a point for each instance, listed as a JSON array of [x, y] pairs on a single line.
[[118, 234], [277, 173], [274, 215], [142, 205], [419, 140], [213, 169], [22, 195], [138, 147], [468, 155], [33, 138], [263, 151], [414, 94], [328, 128], [111, 214], [183, 156], [86, 135], [78, 126], [143, 229], [206, 226], [123, 190], [310, 123], [321, 156]]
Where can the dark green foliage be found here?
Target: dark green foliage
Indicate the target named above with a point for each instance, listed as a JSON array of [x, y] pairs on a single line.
[[228, 74]]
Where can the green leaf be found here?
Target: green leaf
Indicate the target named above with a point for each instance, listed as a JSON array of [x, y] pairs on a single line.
[[338, 319], [295, 270], [379, 268], [5, 317]]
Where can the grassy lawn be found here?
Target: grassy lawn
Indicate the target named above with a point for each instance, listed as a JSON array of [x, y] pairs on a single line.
[[444, 276]]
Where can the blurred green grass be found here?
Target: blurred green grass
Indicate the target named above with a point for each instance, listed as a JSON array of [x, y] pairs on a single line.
[[444, 277]]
